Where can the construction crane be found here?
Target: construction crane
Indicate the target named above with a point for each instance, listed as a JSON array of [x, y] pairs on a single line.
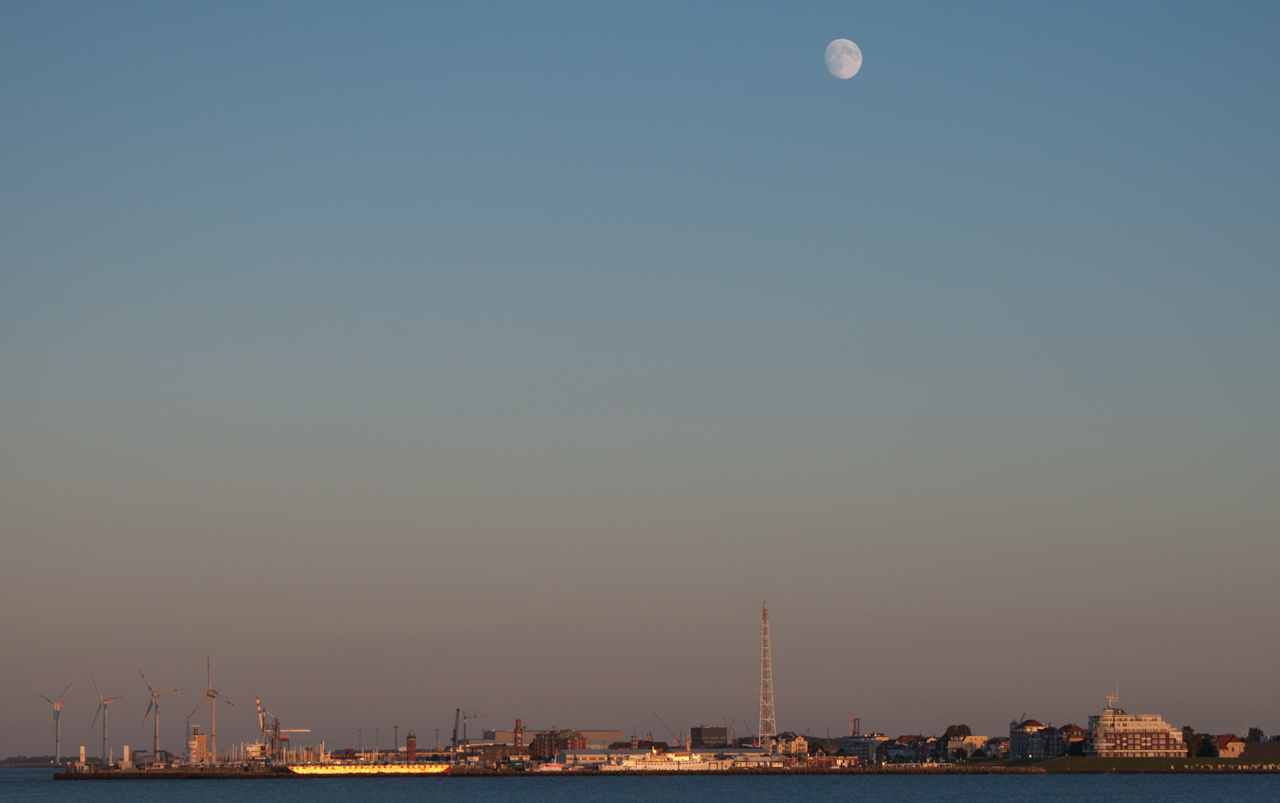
[[668, 727], [754, 742], [466, 718]]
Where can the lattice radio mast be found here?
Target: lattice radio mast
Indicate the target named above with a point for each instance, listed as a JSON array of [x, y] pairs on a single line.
[[768, 727]]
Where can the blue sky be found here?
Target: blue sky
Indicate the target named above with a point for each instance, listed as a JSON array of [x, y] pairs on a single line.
[[636, 313]]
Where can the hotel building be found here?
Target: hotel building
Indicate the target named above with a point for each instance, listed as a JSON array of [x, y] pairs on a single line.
[[1115, 734]]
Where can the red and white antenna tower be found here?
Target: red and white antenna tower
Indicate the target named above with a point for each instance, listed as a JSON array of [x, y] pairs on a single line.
[[768, 727]]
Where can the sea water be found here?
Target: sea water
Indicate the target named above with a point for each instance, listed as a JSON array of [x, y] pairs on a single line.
[[38, 786]]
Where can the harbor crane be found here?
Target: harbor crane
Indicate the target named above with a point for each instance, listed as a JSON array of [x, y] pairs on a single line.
[[466, 718], [271, 731]]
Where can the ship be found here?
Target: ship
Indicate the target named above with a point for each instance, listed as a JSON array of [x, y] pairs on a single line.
[[368, 769], [680, 761]]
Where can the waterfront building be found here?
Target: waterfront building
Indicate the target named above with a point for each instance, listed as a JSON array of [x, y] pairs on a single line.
[[1116, 734], [547, 744], [709, 736], [1065, 741], [863, 746], [198, 746], [1229, 745], [791, 745], [908, 748], [969, 744], [1026, 739]]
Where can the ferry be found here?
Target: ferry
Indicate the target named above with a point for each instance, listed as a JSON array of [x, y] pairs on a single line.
[[368, 769]]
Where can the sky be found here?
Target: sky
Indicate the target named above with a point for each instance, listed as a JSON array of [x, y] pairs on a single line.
[[406, 357]]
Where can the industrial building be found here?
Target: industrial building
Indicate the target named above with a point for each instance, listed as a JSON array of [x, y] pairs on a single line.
[[709, 736], [595, 738]]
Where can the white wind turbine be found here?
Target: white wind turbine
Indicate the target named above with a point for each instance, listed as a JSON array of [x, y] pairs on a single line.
[[213, 697], [103, 702], [155, 703], [57, 723]]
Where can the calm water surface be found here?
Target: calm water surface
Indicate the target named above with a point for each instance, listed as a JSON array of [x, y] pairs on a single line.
[[21, 786]]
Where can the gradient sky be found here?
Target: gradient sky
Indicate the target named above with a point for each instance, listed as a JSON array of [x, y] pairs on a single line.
[[421, 356]]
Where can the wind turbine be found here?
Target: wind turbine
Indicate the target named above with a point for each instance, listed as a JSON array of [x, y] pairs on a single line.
[[155, 703], [57, 723], [103, 702], [213, 697]]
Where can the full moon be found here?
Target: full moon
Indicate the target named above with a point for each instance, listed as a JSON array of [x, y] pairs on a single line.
[[844, 59]]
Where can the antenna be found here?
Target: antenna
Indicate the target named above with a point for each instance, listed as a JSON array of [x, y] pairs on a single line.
[[57, 723], [155, 703], [768, 725]]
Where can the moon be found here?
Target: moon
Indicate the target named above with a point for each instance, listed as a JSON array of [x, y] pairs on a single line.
[[844, 59]]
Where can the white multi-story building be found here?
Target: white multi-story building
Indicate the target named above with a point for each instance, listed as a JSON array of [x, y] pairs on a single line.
[[1115, 734]]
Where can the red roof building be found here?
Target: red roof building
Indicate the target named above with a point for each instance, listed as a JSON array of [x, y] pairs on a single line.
[[1229, 745]]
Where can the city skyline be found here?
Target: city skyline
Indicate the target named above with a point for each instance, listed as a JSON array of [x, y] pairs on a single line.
[[646, 729], [412, 358]]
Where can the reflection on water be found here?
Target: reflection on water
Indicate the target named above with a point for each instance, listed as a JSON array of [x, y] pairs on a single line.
[[25, 785]]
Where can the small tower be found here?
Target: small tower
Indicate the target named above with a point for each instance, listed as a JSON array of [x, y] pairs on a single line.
[[411, 747]]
